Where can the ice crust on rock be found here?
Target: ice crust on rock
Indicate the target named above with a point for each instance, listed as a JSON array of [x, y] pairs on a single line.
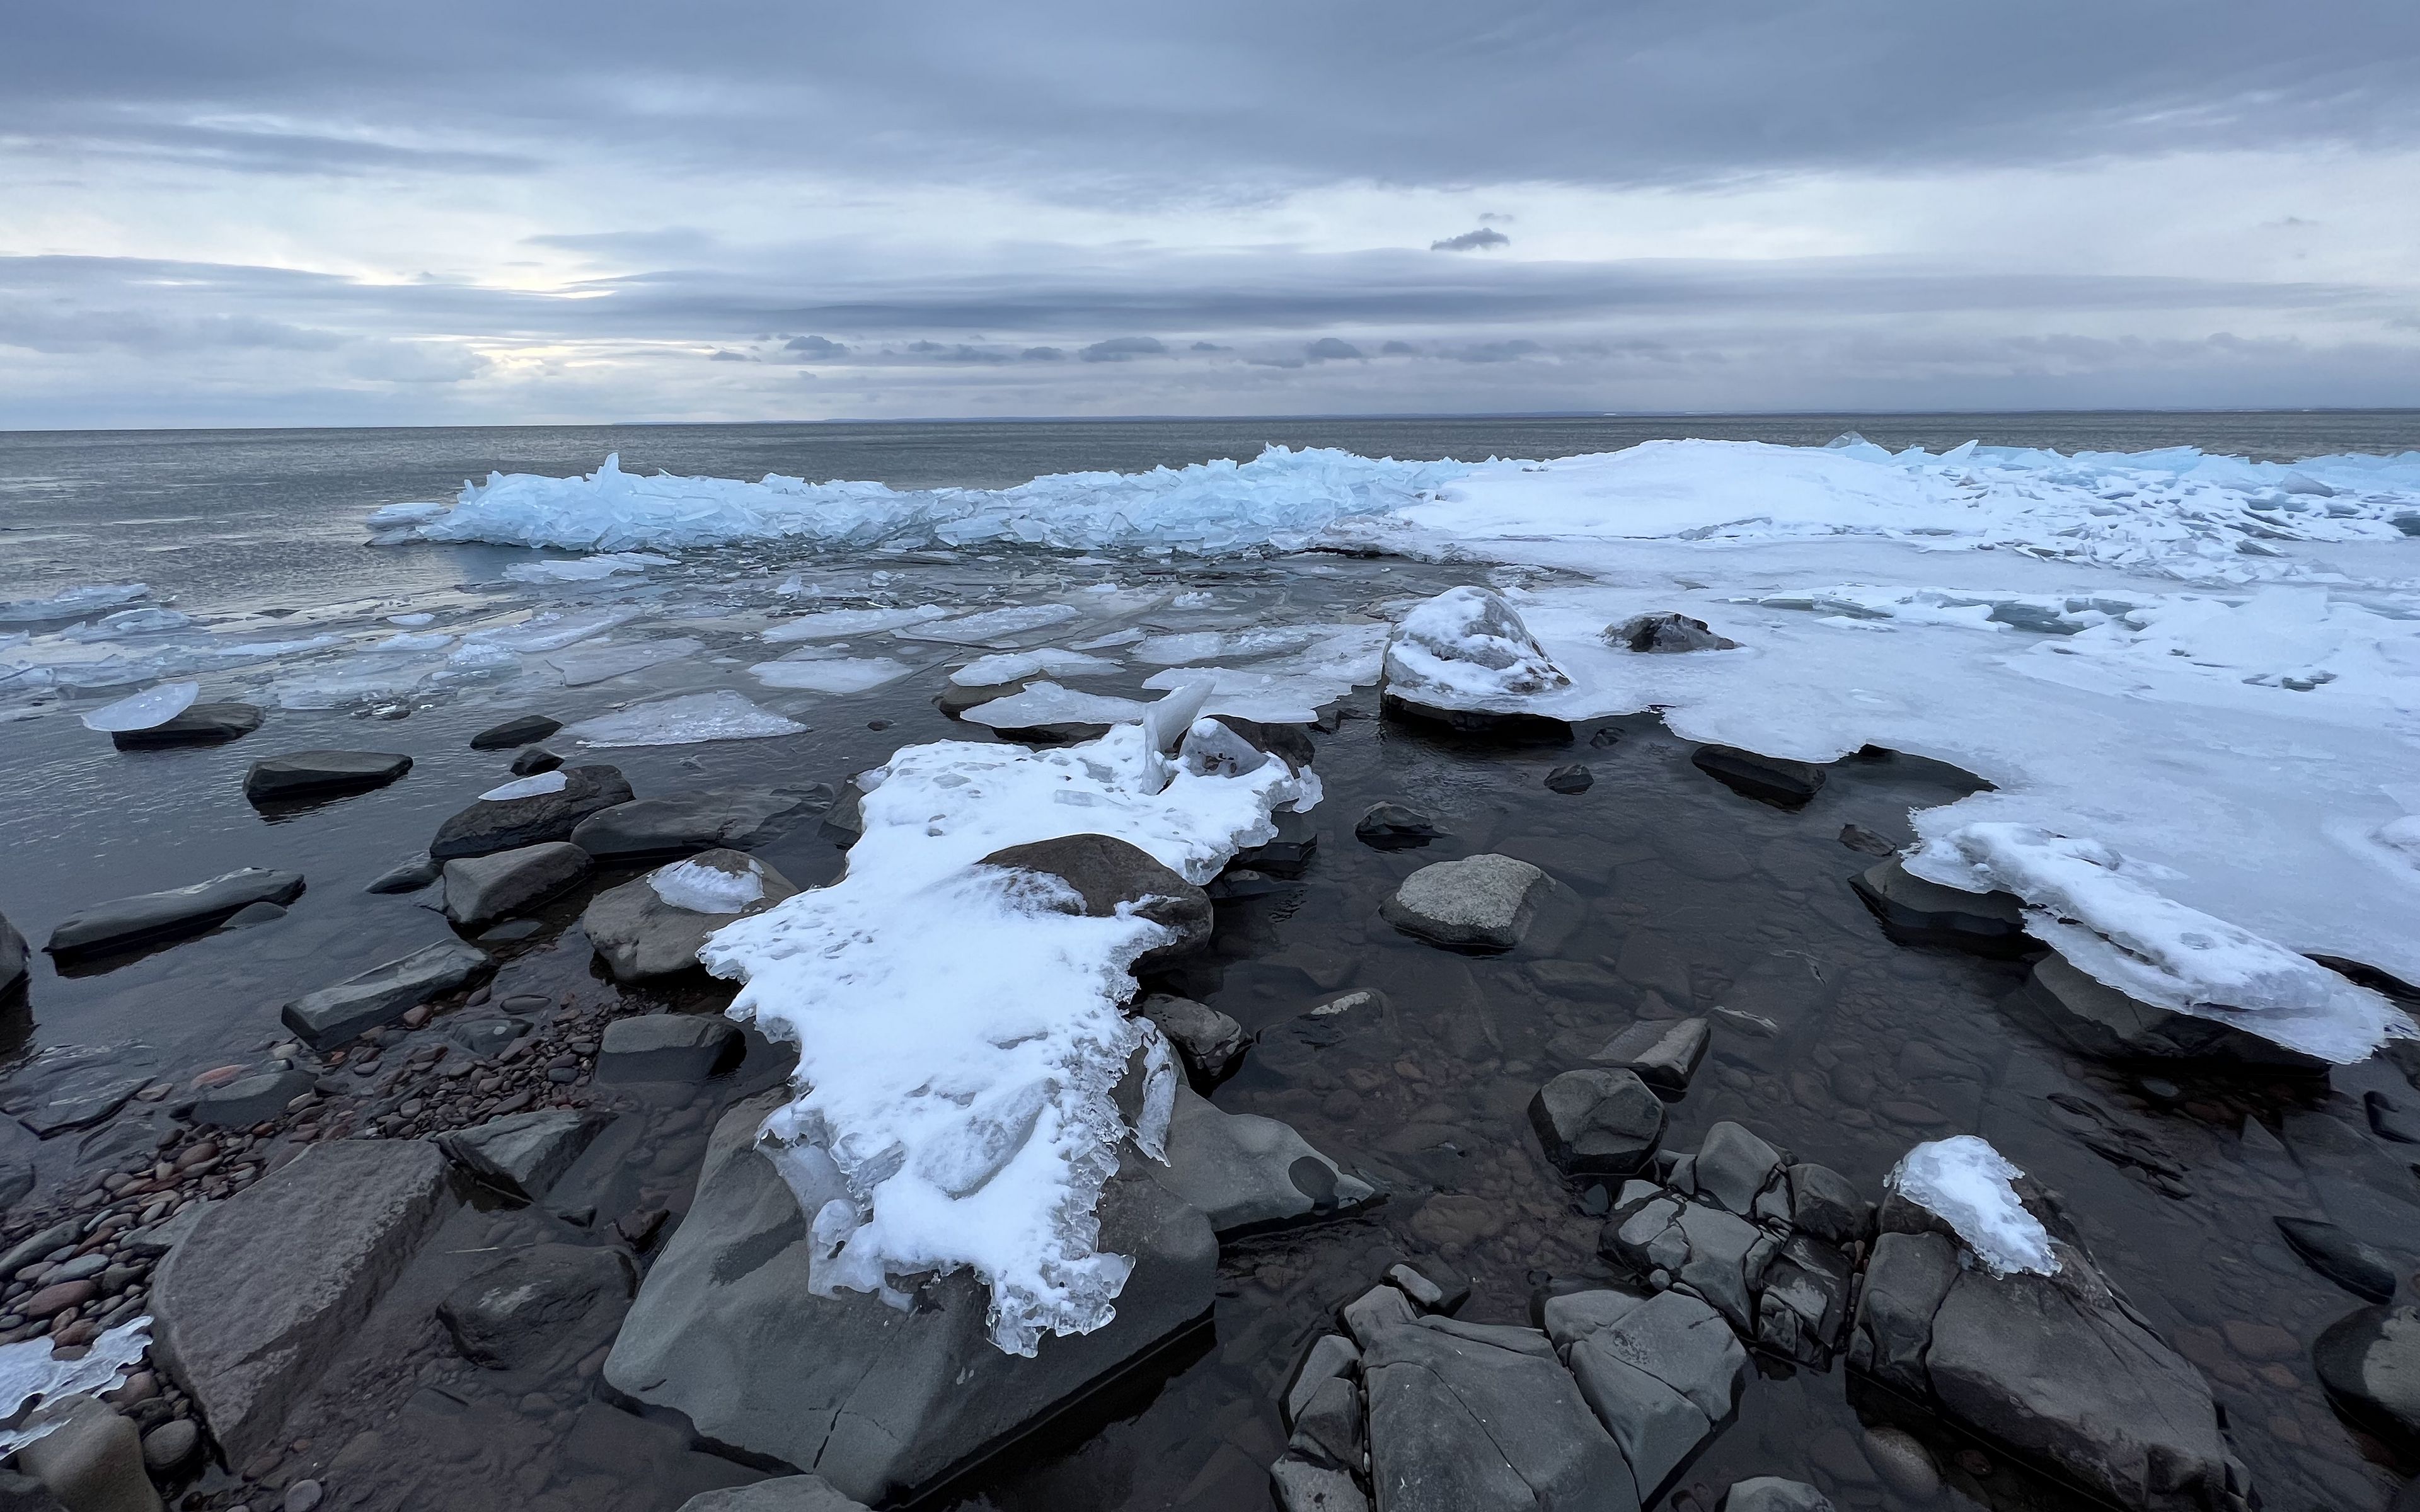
[[146, 710], [960, 1036], [2097, 909], [527, 787], [1467, 649], [706, 889], [1964, 1183], [688, 720]]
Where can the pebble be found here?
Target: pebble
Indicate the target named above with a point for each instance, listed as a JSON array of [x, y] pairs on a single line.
[[1901, 1461], [302, 1496], [169, 1448]]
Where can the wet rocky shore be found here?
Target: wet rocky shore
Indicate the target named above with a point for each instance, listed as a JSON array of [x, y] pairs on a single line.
[[1539, 1086]]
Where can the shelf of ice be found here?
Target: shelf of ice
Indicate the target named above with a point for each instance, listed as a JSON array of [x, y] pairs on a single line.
[[959, 1037], [1965, 1183]]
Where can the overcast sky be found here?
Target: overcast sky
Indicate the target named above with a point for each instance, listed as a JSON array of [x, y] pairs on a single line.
[[242, 213]]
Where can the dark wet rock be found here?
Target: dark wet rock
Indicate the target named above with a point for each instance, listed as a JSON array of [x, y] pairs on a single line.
[[92, 1461], [201, 724], [60, 1091], [385, 992], [1858, 837], [1576, 777], [1773, 780], [1597, 1122], [880, 1402], [1286, 852], [16, 1179], [534, 760], [1659, 1372], [170, 1447], [1913, 911], [1483, 901], [482, 888], [547, 1301], [1665, 1053], [1460, 1425], [1286, 742], [2369, 1362], [2056, 1368], [1665, 634], [1247, 1173], [410, 875], [1303, 1486], [271, 1282], [493, 824], [1771, 1493], [1825, 1204], [713, 819], [15, 959], [2342, 1259], [124, 923], [783, 1493], [250, 1100], [1327, 1430], [253, 915], [2390, 1120], [1207, 1041], [1394, 826], [845, 820], [1734, 1167], [641, 937], [516, 731], [312, 773], [2102, 1022], [520, 1154], [23, 1493], [668, 1047], [485, 1037], [1330, 1357], [1105, 873]]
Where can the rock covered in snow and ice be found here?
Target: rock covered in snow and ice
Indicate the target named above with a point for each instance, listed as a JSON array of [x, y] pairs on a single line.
[[1482, 901], [1966, 1183], [490, 826], [735, 818], [1110, 878], [2104, 1022], [309, 774], [519, 731], [1247, 1173], [654, 926], [1915, 912], [124, 923], [200, 724], [1598, 1121], [1774, 779], [1464, 658], [480, 889], [1209, 1042], [729, 1329], [383, 994], [520, 1154], [1665, 634], [270, 1283]]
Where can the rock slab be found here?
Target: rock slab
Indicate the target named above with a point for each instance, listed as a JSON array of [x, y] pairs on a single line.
[[495, 824], [268, 1284], [123, 923], [1247, 1173], [1774, 779], [547, 1301], [516, 731], [714, 819], [385, 992], [1597, 1122], [482, 888], [668, 1047], [520, 1154], [1457, 1425], [201, 724], [310, 774]]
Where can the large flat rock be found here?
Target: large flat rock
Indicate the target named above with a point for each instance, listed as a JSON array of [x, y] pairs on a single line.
[[312, 773], [1481, 902], [146, 917], [252, 1304], [877, 1401], [385, 992], [493, 824], [482, 888], [715, 819], [1247, 1173]]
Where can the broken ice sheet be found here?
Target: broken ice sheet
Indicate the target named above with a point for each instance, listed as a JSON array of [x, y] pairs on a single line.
[[583, 665], [146, 710], [693, 719], [584, 569], [1013, 666], [1045, 703], [829, 674], [832, 624], [992, 625]]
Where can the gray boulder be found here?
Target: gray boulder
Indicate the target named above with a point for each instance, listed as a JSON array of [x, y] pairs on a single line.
[[316, 774], [1483, 901], [1207, 1041], [668, 1047], [1659, 1372], [1393, 826], [716, 818], [250, 1100], [1665, 1053], [2102, 1022], [15, 959], [1771, 1493], [410, 875], [2369, 1362], [270, 1283], [493, 824], [520, 1154], [201, 724], [546, 1303], [385, 992], [1304, 1486], [1105, 872], [1665, 634], [1913, 911], [1597, 1122], [642, 935], [515, 731], [482, 888], [1247, 1173], [123, 923], [92, 1461], [880, 1402], [783, 1493], [1774, 779], [1460, 1425], [2336, 1254]]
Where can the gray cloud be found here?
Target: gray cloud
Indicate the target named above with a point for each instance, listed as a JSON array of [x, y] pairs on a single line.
[[1123, 348], [1479, 240], [1331, 349]]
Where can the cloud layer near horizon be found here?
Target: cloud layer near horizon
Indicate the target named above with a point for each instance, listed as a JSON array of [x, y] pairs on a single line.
[[249, 214]]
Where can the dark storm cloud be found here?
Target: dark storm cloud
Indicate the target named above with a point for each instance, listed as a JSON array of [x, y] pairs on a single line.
[[1086, 95], [1479, 240]]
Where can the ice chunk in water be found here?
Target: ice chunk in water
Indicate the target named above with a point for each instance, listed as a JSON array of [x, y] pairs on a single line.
[[69, 602], [1964, 1183], [830, 674], [152, 707], [583, 665], [412, 621], [424, 641], [1044, 703], [584, 569], [992, 625], [1013, 666], [705, 889], [405, 515], [832, 624], [526, 787], [689, 719], [128, 622]]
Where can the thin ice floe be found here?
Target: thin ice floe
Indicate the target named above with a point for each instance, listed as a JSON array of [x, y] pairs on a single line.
[[700, 888], [27, 1372], [146, 710], [959, 1037], [69, 602], [829, 674], [526, 787], [1047, 704], [584, 569], [689, 719], [1014, 666], [579, 666], [992, 625], [1964, 1183]]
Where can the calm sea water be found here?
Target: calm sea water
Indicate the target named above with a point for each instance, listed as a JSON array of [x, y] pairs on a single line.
[[245, 519]]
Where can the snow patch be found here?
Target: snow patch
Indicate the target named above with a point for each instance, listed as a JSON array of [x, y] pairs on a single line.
[[1964, 1183]]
